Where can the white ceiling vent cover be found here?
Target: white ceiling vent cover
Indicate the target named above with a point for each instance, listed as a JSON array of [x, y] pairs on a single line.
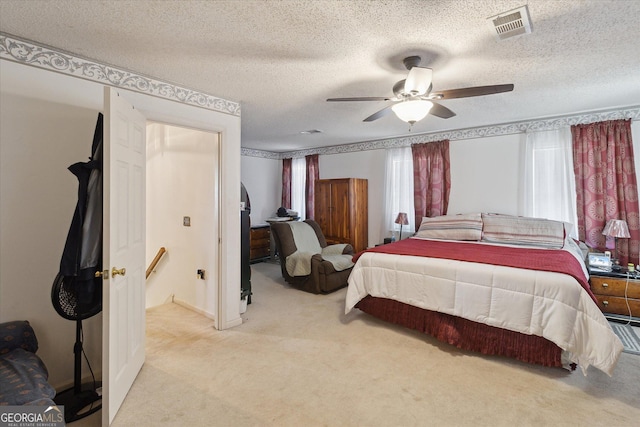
[[512, 23]]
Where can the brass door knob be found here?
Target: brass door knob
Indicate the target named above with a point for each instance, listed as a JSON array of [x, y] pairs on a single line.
[[115, 271]]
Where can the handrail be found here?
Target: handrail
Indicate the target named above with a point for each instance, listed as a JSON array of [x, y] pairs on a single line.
[[155, 261]]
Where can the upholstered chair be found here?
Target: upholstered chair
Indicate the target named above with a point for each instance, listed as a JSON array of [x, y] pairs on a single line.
[[306, 261]]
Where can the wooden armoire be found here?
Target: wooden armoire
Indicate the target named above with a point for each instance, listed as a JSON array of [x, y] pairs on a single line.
[[341, 210]]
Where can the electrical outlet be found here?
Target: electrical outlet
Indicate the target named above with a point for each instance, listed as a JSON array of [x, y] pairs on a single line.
[[186, 221]]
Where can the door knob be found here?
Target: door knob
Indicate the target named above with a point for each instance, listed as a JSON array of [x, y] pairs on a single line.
[[115, 271]]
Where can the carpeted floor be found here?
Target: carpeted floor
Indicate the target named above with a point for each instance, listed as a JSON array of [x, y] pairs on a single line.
[[297, 360]]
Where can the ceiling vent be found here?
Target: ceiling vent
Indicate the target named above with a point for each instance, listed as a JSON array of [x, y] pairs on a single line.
[[512, 23]]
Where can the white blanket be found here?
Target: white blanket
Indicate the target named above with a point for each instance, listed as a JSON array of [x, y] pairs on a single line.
[[546, 304]]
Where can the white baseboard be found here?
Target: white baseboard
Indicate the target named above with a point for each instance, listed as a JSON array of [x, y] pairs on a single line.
[[186, 305]]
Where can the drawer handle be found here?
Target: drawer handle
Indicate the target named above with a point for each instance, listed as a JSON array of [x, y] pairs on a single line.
[[605, 285], [605, 303]]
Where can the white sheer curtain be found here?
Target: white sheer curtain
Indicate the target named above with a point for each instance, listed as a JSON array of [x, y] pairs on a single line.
[[298, 185], [550, 186], [398, 191]]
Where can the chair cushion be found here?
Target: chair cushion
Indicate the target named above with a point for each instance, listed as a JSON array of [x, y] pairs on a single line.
[[23, 379], [299, 263], [340, 262], [17, 334], [305, 237]]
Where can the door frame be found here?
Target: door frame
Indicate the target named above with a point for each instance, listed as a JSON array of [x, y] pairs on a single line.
[[227, 310]]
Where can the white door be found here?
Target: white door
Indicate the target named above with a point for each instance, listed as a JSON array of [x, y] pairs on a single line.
[[124, 250]]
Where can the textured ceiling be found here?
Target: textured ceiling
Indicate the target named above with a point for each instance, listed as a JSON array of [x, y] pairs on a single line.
[[282, 59]]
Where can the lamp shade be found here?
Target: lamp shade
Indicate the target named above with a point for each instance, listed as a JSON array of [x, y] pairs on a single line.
[[616, 228], [402, 219], [412, 111]]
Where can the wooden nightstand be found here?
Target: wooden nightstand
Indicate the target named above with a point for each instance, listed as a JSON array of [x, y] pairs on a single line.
[[609, 289], [260, 243]]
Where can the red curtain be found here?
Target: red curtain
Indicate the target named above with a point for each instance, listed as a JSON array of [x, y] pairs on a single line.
[[431, 179], [606, 185], [313, 174], [286, 183]]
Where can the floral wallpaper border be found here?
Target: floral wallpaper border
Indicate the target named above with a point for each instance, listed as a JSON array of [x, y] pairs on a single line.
[[51, 59], [469, 133]]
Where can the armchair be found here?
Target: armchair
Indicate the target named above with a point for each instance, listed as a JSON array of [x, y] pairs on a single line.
[[306, 261]]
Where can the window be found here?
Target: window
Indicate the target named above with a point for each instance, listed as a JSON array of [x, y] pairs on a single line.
[[398, 191], [549, 188], [298, 185]]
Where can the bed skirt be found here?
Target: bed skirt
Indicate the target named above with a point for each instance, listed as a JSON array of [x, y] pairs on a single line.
[[465, 334]]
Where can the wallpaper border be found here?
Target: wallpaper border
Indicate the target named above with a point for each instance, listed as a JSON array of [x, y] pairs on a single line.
[[52, 59], [534, 125]]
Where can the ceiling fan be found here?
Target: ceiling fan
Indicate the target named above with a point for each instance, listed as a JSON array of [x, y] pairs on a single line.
[[413, 98]]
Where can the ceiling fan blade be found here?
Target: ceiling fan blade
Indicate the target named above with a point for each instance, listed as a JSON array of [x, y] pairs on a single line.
[[441, 111], [418, 81], [362, 98], [471, 91], [377, 115]]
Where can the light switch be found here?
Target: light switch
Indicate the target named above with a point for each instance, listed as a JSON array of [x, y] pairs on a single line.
[[186, 221]]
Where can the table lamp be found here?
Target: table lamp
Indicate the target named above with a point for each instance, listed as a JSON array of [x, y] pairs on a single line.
[[402, 219], [616, 228]]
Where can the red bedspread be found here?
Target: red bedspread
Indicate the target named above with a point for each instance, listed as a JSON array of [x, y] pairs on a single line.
[[553, 260]]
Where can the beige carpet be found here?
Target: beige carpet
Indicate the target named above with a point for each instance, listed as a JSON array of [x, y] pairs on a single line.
[[297, 360]]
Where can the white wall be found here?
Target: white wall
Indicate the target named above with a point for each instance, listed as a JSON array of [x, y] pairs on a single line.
[[262, 178], [181, 179], [39, 140], [486, 174]]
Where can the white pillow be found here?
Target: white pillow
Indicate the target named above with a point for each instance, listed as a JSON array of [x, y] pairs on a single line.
[[452, 227], [519, 230]]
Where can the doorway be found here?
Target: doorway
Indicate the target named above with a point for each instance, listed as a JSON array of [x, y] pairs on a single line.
[[46, 117], [182, 206]]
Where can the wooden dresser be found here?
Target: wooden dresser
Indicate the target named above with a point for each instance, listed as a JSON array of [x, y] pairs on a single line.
[[609, 289], [260, 242], [341, 210]]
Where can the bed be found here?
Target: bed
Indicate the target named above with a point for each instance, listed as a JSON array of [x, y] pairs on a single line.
[[496, 284]]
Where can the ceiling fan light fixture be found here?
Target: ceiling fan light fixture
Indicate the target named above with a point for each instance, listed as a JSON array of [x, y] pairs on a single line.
[[412, 111], [418, 81]]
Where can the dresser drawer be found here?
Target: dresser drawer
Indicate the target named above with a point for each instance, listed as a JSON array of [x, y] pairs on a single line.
[[618, 305], [260, 243], [256, 253], [260, 233], [614, 286]]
